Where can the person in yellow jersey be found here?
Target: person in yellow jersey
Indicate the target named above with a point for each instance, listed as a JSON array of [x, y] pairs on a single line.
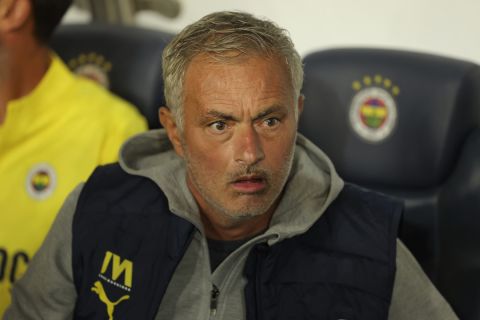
[[55, 128]]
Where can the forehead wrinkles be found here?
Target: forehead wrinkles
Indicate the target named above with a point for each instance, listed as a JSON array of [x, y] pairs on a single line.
[[262, 77]]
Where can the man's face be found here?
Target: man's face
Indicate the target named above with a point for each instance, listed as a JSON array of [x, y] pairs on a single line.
[[239, 134]]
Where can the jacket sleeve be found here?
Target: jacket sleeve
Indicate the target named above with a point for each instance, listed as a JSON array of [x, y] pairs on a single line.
[[414, 295], [47, 291]]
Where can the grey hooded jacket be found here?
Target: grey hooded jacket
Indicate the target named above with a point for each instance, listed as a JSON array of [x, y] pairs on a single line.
[[47, 291]]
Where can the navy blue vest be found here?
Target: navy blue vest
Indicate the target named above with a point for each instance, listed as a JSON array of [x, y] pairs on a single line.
[[127, 244]]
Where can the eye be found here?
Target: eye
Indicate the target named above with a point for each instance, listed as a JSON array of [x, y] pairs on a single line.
[[271, 122], [218, 126]]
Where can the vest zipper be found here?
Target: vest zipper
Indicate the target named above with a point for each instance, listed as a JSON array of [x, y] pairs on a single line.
[[214, 301], [261, 254]]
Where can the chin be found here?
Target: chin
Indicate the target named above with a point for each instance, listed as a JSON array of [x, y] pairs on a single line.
[[246, 213]]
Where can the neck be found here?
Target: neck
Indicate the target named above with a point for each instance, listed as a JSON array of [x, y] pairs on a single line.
[[23, 68]]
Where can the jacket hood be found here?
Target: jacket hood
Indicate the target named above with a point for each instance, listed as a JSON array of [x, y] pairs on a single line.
[[312, 185]]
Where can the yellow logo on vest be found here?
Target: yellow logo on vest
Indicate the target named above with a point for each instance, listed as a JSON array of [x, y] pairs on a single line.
[[118, 268], [102, 295]]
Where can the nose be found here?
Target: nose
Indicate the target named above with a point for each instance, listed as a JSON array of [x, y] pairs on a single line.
[[249, 149]]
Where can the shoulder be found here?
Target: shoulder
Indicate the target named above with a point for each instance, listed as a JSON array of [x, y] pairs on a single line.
[[364, 221], [105, 104], [367, 196], [113, 183], [81, 98], [367, 202]]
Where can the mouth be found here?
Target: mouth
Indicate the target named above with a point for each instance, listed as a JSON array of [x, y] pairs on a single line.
[[250, 184]]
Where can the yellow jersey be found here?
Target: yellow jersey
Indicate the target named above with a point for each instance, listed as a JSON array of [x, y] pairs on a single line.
[[51, 140]]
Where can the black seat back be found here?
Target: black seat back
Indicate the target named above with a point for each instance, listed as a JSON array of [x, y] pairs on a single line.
[[407, 124]]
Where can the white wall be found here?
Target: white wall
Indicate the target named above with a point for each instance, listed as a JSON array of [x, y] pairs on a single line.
[[445, 27]]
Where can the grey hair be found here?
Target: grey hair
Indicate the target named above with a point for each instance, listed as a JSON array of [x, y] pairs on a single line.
[[219, 34]]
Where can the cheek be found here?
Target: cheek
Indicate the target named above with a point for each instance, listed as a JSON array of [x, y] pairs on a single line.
[[281, 147], [210, 158], [277, 157]]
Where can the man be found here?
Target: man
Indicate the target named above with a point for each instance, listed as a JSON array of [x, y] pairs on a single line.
[[55, 129], [228, 213]]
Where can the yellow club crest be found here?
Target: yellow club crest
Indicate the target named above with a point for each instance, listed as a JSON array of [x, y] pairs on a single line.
[[93, 66], [373, 110], [41, 181]]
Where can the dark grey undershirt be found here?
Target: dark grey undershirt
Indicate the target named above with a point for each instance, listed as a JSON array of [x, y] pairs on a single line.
[[220, 249]]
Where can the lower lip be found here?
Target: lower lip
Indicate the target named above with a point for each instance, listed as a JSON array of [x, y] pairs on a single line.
[[249, 186]]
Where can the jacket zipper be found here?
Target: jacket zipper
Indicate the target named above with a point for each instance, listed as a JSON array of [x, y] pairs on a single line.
[[261, 253], [214, 301]]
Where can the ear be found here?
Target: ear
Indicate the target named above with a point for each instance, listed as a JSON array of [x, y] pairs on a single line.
[[168, 122], [301, 100], [14, 14]]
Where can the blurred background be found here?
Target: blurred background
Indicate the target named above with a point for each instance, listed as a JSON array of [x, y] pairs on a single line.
[[432, 26]]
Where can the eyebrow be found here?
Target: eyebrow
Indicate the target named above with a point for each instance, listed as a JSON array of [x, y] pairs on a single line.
[[269, 110], [218, 114], [230, 117]]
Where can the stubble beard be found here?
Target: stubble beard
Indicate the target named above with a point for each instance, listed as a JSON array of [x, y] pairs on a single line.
[[248, 210]]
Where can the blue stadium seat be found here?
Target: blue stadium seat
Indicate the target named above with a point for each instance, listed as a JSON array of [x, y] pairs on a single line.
[[407, 124], [127, 60]]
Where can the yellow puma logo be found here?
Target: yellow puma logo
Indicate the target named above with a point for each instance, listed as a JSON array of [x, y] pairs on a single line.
[[98, 289]]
